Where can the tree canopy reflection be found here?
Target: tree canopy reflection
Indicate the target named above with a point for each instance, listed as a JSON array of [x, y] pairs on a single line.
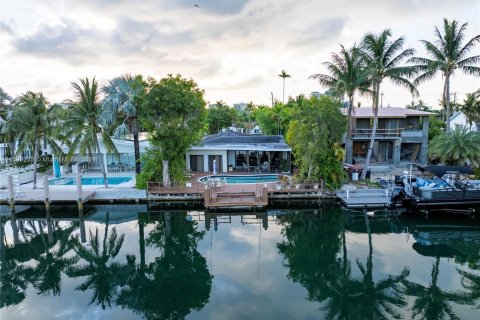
[[178, 280], [316, 254]]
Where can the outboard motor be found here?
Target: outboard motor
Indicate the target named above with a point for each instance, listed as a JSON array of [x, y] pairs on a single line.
[[397, 198]]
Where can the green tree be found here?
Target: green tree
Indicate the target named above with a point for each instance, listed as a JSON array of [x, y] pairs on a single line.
[[32, 123], [284, 75], [220, 116], [83, 123], [383, 60], [457, 147], [447, 53], [6, 112], [315, 134], [436, 126], [174, 112], [471, 108], [347, 76], [121, 102]]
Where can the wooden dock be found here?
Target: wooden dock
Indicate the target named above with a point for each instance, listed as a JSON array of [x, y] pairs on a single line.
[[38, 196], [233, 196]]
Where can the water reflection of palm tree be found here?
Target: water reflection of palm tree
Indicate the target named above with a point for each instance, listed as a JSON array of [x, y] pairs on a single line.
[[103, 275], [379, 300], [432, 302], [343, 289], [177, 281], [13, 277], [46, 275]]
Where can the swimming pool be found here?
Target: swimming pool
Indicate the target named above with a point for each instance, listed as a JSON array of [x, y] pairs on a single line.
[[243, 179], [88, 181]]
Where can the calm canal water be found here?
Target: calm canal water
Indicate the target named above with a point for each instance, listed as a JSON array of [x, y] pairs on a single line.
[[130, 262]]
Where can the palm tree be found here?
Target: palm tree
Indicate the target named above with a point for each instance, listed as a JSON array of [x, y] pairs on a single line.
[[457, 147], [383, 58], [84, 125], [471, 107], [120, 101], [6, 111], [283, 75], [447, 54], [346, 77], [32, 121]]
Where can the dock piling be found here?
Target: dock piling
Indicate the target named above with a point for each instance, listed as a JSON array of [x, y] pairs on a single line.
[[47, 194], [79, 192], [11, 198]]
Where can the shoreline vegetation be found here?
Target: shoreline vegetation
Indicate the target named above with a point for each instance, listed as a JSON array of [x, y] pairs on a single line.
[[174, 113]]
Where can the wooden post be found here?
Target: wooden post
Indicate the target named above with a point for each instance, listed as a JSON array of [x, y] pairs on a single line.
[[79, 192], [50, 228], [11, 198], [83, 234], [46, 189]]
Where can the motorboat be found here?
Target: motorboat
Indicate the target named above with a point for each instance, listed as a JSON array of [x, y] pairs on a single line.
[[439, 187]]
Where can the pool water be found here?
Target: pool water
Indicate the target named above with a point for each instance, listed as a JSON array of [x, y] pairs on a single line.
[[88, 181], [230, 179]]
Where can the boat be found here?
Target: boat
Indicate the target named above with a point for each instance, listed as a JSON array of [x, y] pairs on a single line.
[[439, 187]]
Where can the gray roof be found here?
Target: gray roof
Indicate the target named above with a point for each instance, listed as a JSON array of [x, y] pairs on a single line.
[[388, 112], [231, 140]]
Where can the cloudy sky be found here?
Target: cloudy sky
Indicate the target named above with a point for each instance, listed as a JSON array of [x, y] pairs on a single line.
[[234, 49]]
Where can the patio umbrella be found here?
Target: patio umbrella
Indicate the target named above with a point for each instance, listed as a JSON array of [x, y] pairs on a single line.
[[56, 168], [214, 167]]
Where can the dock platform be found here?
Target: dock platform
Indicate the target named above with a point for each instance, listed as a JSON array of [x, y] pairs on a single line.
[[364, 198], [253, 196], [38, 196]]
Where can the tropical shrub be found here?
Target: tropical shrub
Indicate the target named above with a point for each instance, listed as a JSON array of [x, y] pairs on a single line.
[[457, 147]]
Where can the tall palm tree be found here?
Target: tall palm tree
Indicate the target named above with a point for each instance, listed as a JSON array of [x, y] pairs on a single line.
[[383, 60], [120, 101], [31, 121], [447, 53], [84, 125], [283, 75], [347, 76]]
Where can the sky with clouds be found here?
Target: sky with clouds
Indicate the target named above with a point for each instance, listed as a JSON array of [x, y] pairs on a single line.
[[234, 49]]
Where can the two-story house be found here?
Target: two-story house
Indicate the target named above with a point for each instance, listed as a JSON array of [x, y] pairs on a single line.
[[402, 136]]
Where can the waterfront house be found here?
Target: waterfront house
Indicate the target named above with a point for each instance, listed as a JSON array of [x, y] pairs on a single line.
[[402, 136], [235, 151], [460, 120]]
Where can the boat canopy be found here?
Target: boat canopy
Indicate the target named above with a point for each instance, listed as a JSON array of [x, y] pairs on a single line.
[[439, 171]]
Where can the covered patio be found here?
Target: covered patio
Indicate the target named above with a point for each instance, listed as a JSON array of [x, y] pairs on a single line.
[[238, 152]]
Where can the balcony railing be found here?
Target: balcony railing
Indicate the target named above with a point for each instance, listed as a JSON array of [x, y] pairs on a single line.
[[366, 133]]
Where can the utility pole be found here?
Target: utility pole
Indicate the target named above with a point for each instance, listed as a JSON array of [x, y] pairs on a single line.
[[381, 100], [272, 98]]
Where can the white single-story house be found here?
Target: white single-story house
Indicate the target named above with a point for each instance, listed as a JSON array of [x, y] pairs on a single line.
[[234, 151], [459, 119]]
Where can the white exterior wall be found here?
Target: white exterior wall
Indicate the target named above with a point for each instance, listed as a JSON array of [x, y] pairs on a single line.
[[205, 154], [460, 119]]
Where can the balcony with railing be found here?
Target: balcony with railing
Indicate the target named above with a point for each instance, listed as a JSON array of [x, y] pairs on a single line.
[[380, 133]]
